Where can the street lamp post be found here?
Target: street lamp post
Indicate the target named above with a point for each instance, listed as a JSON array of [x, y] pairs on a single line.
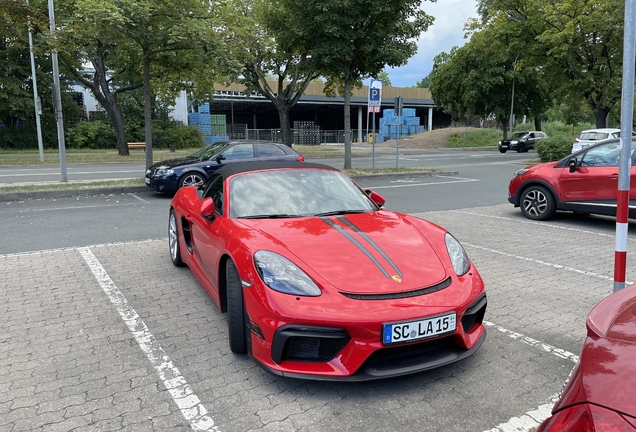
[[512, 101], [57, 99]]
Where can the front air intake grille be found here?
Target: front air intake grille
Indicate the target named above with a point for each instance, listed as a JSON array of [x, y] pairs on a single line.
[[390, 296], [308, 344], [474, 314]]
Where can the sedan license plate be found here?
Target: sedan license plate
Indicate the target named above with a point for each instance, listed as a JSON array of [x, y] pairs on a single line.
[[147, 180], [418, 329]]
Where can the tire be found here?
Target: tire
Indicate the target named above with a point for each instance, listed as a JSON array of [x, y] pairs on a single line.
[[191, 179], [235, 310], [521, 148], [502, 150], [537, 203], [173, 240]]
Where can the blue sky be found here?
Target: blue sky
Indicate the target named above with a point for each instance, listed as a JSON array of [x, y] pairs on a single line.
[[445, 33]]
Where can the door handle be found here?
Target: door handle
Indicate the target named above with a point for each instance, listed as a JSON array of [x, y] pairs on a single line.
[[614, 176]]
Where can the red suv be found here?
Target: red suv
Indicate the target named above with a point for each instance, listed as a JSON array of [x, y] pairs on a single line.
[[583, 182]]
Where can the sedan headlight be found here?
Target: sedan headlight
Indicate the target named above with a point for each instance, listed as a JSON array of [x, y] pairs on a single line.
[[520, 172], [281, 275], [457, 255], [163, 171]]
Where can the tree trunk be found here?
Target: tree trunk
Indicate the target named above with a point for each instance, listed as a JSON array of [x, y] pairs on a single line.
[[537, 123], [347, 121], [147, 106], [285, 129], [504, 128], [111, 107], [600, 116]]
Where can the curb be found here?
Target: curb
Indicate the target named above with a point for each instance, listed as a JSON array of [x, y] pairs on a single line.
[[69, 193]]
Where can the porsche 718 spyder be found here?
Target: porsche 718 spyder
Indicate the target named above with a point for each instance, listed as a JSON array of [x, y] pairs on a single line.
[[319, 281]]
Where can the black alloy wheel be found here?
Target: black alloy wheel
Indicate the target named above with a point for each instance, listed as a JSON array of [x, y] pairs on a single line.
[[521, 148], [537, 203], [191, 179], [236, 324], [173, 240]]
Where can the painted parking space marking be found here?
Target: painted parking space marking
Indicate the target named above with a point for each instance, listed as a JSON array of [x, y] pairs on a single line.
[[558, 266], [189, 404], [135, 196], [456, 180], [543, 224]]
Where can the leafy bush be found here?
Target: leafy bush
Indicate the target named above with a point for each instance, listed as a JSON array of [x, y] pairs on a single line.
[[91, 135], [553, 148], [24, 137], [474, 138], [182, 137]]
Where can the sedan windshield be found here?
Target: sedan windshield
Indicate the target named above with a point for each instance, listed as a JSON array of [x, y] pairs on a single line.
[[295, 193], [209, 151]]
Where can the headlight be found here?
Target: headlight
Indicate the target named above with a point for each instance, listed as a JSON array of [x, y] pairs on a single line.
[[163, 171], [520, 172], [457, 255], [514, 142], [499, 143], [281, 275]]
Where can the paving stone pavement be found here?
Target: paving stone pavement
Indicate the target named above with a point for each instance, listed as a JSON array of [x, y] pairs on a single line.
[[68, 362]]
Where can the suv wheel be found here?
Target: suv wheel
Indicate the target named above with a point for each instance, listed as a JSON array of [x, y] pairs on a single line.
[[537, 203]]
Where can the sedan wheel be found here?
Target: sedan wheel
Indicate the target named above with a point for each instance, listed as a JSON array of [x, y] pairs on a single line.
[[235, 310], [173, 240], [191, 179], [537, 203]]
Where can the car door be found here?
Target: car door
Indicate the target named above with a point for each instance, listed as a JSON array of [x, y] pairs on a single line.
[[207, 232], [595, 180], [270, 152]]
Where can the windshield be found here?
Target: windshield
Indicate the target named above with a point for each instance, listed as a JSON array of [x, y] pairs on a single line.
[[209, 151], [519, 134], [295, 193]]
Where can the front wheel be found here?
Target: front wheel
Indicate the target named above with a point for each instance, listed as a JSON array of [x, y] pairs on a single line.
[[501, 150], [537, 203], [191, 179], [521, 148], [236, 323], [173, 240]]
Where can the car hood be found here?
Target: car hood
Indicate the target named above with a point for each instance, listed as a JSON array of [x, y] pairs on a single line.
[[368, 253], [172, 163], [608, 369]]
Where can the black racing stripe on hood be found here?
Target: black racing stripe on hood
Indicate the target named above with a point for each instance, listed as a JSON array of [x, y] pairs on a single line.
[[355, 242], [371, 242]]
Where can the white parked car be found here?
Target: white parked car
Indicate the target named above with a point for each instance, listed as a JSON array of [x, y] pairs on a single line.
[[592, 136]]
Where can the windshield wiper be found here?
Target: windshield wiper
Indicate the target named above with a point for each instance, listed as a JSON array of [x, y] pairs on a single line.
[[270, 216], [340, 212]]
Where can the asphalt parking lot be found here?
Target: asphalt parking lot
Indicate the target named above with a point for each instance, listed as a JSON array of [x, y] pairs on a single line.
[[113, 337]]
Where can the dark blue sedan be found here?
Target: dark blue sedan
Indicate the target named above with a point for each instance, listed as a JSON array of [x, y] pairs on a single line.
[[194, 170]]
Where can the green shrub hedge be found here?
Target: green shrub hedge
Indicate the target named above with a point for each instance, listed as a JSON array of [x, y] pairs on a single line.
[[554, 148]]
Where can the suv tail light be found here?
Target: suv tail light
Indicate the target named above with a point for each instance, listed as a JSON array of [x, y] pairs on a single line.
[[301, 158], [585, 418]]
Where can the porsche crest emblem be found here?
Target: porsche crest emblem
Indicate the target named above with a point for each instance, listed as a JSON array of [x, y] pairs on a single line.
[[396, 278]]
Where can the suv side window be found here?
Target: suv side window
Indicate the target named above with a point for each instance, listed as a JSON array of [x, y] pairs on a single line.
[[214, 190]]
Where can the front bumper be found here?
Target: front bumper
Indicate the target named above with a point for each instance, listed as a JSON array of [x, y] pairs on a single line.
[[348, 346], [161, 184]]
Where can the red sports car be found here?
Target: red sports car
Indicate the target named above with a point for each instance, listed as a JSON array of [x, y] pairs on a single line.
[[601, 395], [584, 182], [319, 281]]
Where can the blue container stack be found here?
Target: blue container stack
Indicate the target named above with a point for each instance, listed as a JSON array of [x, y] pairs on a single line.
[[212, 126], [409, 124]]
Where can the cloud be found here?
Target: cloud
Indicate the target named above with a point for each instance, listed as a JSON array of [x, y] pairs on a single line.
[[446, 32]]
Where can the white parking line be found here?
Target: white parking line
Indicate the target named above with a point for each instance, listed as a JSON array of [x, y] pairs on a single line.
[[559, 266], [137, 197], [543, 224], [189, 404], [458, 180]]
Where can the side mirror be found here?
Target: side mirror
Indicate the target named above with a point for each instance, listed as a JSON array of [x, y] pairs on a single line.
[[375, 197], [219, 158], [207, 209], [572, 164]]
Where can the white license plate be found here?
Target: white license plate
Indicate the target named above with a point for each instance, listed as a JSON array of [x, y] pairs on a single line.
[[418, 329], [147, 180]]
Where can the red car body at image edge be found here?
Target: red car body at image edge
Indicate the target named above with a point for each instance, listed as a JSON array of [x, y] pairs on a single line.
[[319, 281], [601, 392]]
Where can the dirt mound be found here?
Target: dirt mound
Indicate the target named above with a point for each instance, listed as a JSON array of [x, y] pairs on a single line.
[[437, 138]]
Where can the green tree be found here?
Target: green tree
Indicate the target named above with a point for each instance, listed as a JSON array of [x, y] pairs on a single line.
[[577, 43], [265, 60], [384, 78], [424, 82], [348, 40]]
